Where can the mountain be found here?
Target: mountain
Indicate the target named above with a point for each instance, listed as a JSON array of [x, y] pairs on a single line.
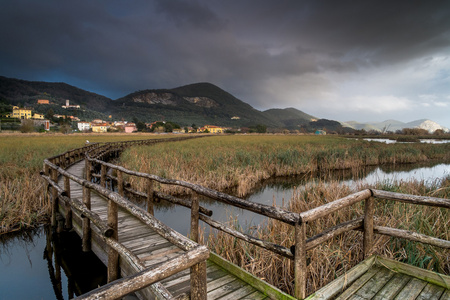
[[394, 125], [200, 103], [289, 118], [22, 92]]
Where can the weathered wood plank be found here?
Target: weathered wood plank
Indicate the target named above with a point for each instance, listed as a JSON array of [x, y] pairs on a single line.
[[431, 292], [411, 290], [426, 275], [215, 284], [375, 284], [393, 287], [225, 289], [257, 296], [344, 281], [360, 282], [445, 295], [239, 293], [245, 276], [127, 285]]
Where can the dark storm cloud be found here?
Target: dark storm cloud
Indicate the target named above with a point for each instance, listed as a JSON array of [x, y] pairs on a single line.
[[268, 53]]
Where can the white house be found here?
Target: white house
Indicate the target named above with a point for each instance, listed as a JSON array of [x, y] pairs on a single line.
[[82, 126]]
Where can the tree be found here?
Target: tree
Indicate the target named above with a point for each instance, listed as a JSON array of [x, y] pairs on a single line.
[[49, 115], [27, 126], [140, 126], [439, 132], [261, 128], [65, 129], [168, 127]]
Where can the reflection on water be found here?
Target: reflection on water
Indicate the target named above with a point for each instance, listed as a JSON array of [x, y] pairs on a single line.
[[389, 141], [37, 265], [278, 191]]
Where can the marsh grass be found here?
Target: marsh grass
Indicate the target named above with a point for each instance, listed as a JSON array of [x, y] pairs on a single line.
[[241, 162], [22, 202], [333, 258]]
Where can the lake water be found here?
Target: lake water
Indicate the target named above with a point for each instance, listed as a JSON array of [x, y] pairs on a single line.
[[29, 266], [388, 141]]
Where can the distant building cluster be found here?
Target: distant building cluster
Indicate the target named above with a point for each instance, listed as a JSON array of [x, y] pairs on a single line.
[[24, 113], [70, 106], [100, 126]]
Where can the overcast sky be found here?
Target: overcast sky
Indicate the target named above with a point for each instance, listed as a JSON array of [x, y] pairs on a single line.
[[342, 60]]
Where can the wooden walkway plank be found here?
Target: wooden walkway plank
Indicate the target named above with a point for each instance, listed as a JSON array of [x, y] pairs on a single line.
[[215, 284], [445, 295], [238, 294], [393, 287], [256, 296], [375, 284], [431, 292], [225, 289], [353, 288]]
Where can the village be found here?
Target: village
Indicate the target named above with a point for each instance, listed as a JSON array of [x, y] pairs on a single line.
[[26, 114]]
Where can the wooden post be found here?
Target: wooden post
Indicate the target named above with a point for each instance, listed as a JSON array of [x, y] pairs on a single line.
[[68, 224], [103, 176], [54, 175], [86, 239], [120, 183], [368, 226], [300, 261], [113, 255], [87, 169], [150, 209], [46, 184], [198, 281], [194, 217]]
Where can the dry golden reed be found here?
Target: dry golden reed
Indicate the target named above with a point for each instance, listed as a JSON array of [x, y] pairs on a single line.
[[241, 162], [331, 259], [22, 202]]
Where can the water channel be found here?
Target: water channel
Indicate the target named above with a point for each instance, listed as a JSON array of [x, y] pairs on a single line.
[[29, 262]]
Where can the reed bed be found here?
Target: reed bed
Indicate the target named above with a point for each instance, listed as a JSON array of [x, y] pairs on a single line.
[[22, 202], [333, 258], [241, 162]]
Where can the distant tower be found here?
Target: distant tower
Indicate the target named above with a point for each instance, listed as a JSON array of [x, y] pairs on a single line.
[[67, 103]]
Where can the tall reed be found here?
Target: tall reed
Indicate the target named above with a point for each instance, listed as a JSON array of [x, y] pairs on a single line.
[[21, 157], [240, 162], [333, 258]]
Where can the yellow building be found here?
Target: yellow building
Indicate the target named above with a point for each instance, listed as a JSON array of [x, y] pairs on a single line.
[[38, 116], [100, 127], [213, 129], [21, 113]]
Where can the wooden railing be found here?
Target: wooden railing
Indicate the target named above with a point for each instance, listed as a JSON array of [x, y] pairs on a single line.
[[194, 257], [96, 167]]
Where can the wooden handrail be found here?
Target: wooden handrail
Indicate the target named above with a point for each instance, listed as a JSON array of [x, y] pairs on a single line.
[[121, 287], [95, 153], [265, 210], [162, 229], [326, 209], [413, 199]]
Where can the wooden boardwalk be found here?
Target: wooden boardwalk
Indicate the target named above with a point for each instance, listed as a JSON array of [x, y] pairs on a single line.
[[179, 268], [153, 250], [378, 278]]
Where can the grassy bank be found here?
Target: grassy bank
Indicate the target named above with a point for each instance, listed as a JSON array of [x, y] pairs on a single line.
[[338, 255], [21, 158], [240, 162]]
